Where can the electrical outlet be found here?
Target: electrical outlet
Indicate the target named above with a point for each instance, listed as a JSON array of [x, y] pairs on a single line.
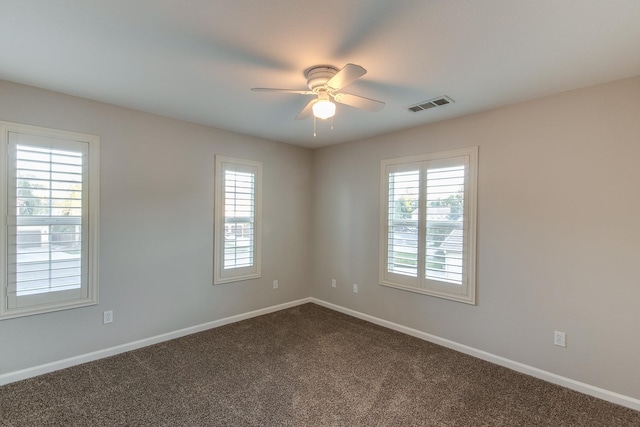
[[107, 317], [355, 288], [333, 283], [560, 338], [275, 284]]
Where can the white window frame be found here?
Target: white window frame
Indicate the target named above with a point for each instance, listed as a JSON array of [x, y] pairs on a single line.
[[466, 290], [15, 305], [220, 273]]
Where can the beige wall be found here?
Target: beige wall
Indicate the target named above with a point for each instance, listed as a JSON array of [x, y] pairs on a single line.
[[156, 243], [558, 233], [559, 196]]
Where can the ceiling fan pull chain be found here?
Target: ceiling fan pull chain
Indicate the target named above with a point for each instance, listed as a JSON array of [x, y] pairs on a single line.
[[314, 126]]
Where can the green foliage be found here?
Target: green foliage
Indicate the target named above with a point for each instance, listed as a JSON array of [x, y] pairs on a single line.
[[28, 203], [405, 206], [455, 204], [405, 258]]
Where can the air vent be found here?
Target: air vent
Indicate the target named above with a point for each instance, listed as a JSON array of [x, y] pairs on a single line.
[[435, 102]]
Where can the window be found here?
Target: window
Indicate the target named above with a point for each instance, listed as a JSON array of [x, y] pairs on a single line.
[[428, 220], [49, 200], [237, 220]]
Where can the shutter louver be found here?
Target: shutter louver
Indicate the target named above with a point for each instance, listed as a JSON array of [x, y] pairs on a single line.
[[45, 221], [403, 210], [239, 216], [445, 224]]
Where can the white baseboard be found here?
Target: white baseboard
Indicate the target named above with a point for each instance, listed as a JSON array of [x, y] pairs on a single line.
[[112, 351], [581, 387]]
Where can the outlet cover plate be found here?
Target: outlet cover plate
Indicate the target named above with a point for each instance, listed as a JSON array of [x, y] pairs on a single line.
[[107, 317]]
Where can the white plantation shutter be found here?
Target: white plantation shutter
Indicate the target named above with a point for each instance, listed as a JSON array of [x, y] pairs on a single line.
[[237, 220], [428, 224], [49, 249], [402, 213], [445, 223]]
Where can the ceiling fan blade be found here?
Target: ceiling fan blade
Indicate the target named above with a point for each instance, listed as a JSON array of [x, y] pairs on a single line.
[[307, 110], [359, 102], [268, 89], [346, 76]]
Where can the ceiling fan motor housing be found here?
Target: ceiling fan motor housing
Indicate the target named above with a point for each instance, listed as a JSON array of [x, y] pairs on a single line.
[[319, 76]]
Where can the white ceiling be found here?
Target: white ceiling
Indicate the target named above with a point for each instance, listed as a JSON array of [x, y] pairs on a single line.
[[196, 60]]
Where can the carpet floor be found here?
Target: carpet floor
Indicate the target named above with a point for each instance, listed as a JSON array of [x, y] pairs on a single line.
[[304, 366]]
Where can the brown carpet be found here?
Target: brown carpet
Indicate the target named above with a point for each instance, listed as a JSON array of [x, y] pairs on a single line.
[[305, 366]]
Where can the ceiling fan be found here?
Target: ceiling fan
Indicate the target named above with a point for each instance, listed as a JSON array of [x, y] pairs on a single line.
[[325, 83]]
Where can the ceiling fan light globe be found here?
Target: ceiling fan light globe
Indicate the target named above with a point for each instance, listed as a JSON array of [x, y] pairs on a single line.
[[324, 109]]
